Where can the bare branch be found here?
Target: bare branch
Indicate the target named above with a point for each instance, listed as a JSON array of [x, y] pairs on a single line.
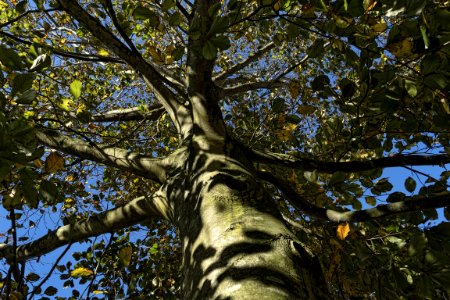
[[154, 76], [130, 114], [136, 211], [258, 54], [308, 164], [78, 56], [151, 168], [251, 86], [409, 204]]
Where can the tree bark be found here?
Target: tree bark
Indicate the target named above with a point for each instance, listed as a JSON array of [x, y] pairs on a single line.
[[235, 243]]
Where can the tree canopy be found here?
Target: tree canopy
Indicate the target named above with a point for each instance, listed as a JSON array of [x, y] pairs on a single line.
[[115, 114]]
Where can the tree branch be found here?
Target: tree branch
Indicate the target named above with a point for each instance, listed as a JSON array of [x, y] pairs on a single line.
[[151, 168], [134, 212], [414, 203], [153, 76], [251, 86], [243, 64], [130, 114], [350, 166]]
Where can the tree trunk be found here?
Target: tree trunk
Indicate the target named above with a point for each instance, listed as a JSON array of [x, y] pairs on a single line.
[[235, 243]]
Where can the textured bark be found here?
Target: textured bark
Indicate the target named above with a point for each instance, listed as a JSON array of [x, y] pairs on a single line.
[[235, 243]]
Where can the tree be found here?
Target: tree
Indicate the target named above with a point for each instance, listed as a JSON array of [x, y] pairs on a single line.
[[239, 137]]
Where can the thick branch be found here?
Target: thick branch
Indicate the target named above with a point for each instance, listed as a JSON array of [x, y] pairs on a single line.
[[153, 76], [415, 203], [258, 54], [351, 166], [130, 114], [251, 86], [151, 168], [136, 211]]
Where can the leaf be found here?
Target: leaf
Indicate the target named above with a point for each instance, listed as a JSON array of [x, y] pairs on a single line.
[[222, 42], [316, 48], [10, 59], [75, 88], [41, 62], [310, 176], [343, 230], [143, 13], [66, 104], [371, 200], [401, 49], [306, 109], [426, 40], [284, 133], [48, 192], [103, 52], [209, 51], [294, 88], [320, 82], [50, 291], [33, 277], [53, 163], [410, 184], [411, 88], [125, 255], [436, 81], [22, 83], [81, 272]]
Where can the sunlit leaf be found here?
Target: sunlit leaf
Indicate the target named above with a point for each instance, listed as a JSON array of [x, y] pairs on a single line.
[[81, 272], [75, 88], [343, 230]]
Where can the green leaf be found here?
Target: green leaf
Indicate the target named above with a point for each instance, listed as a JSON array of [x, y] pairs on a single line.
[[48, 192], [143, 13], [26, 97], [75, 88], [278, 105], [22, 83], [209, 50], [320, 82], [21, 7], [426, 40], [410, 184], [411, 88], [316, 48], [50, 291], [310, 176], [337, 177], [175, 19], [32, 277], [436, 81], [41, 62], [10, 58], [219, 25], [222, 42]]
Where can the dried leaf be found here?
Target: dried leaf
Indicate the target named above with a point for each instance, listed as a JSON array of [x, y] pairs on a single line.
[[54, 163], [342, 230]]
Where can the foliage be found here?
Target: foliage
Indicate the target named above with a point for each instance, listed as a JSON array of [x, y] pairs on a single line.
[[332, 81]]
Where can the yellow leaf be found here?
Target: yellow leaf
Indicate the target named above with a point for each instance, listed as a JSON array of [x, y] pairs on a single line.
[[38, 163], [125, 255], [155, 54], [66, 104], [70, 177], [3, 5], [54, 162], [81, 272], [285, 133], [96, 292], [342, 230], [103, 52]]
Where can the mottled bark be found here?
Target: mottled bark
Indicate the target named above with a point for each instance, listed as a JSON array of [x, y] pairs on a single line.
[[235, 243]]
